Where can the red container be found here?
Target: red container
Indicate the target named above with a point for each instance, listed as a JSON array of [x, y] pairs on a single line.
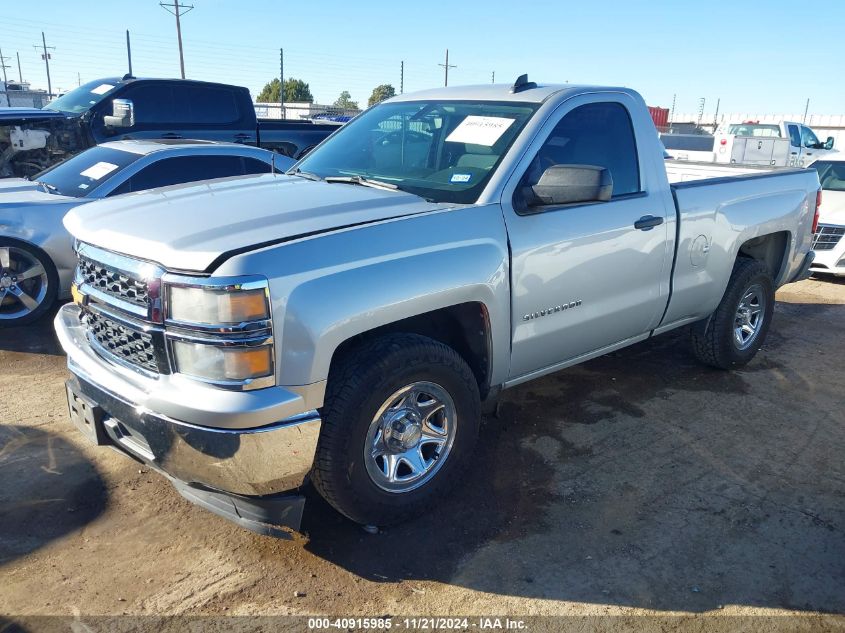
[[660, 116]]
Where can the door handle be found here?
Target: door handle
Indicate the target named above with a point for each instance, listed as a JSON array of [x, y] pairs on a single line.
[[242, 138], [648, 222], [171, 135]]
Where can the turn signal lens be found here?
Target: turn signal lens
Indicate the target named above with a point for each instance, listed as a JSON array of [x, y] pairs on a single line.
[[216, 363]]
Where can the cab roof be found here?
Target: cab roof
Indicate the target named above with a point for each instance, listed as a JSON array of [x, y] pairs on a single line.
[[528, 93]]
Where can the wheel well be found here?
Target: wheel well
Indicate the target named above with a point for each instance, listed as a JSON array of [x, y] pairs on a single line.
[[464, 327], [769, 249]]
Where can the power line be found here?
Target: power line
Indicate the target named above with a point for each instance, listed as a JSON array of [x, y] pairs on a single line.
[[446, 68], [46, 57], [178, 12]]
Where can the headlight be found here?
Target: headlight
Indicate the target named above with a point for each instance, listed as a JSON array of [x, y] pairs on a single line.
[[209, 361], [219, 330], [213, 306]]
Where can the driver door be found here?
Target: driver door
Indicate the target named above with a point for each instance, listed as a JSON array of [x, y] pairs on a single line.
[[583, 276]]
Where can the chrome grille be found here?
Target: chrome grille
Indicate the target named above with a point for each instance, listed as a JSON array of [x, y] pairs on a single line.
[[827, 237], [125, 343], [113, 282]]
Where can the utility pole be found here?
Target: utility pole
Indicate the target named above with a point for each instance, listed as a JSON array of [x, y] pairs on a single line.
[[5, 83], [282, 82], [178, 11], [446, 67], [78, 79], [493, 77], [46, 57], [806, 109], [672, 113], [716, 116], [401, 77], [129, 51]]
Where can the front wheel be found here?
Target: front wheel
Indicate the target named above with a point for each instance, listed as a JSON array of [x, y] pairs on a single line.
[[400, 421], [733, 334], [28, 282]]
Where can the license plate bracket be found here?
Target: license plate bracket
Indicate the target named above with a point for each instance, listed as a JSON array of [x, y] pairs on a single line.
[[86, 415]]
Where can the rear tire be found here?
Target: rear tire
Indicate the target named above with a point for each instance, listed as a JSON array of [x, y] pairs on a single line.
[[400, 421], [732, 335]]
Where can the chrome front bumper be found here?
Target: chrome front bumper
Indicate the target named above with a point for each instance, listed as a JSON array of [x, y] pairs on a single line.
[[220, 468]]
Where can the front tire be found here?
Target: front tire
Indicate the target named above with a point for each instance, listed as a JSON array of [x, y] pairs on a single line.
[[732, 335], [28, 283], [400, 420]]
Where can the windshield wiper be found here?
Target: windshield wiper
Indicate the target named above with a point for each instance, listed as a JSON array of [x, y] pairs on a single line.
[[47, 186], [361, 180], [303, 174]]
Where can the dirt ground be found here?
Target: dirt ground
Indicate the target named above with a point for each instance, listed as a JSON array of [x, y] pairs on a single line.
[[639, 483]]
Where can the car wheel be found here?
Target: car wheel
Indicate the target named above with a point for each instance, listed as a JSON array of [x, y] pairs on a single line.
[[733, 334], [28, 283], [400, 420]]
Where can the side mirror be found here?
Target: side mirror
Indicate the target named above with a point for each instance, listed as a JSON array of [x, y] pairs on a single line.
[[829, 143], [568, 184], [123, 114]]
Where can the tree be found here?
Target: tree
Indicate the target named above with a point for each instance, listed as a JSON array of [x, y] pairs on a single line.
[[380, 93], [345, 102], [296, 90]]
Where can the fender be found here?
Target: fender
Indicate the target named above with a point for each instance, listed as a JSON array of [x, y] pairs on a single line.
[[332, 287]]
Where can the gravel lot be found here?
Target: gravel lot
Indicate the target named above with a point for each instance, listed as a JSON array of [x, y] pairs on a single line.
[[638, 483]]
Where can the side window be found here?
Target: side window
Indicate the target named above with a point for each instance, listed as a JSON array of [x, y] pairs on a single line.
[[808, 138], [794, 136], [599, 134], [173, 171], [153, 103], [205, 105], [255, 166]]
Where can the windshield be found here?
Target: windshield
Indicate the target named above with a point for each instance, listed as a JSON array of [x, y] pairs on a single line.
[[754, 129], [81, 99], [831, 174], [80, 175], [444, 151]]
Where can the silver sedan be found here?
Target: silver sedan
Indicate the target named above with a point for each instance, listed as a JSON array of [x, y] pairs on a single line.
[[36, 251]]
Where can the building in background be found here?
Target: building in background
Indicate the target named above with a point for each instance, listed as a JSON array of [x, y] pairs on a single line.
[[20, 95]]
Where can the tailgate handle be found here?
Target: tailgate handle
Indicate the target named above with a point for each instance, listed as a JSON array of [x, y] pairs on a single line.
[[648, 222]]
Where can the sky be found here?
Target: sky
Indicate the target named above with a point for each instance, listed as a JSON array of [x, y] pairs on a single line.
[[743, 53]]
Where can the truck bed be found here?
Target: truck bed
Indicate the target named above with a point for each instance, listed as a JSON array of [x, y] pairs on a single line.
[[681, 171]]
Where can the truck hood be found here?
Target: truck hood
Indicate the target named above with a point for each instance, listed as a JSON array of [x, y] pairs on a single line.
[[832, 210], [12, 116], [189, 227]]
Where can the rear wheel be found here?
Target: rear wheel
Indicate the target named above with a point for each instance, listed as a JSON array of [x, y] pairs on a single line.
[[733, 334], [28, 283], [399, 424]]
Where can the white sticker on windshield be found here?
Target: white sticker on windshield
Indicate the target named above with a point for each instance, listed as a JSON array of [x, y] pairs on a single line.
[[102, 89], [460, 177], [83, 185], [479, 130], [95, 172]]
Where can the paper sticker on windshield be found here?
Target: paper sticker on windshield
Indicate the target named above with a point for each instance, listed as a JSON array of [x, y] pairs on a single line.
[[95, 172], [83, 185], [102, 89], [460, 177], [479, 130]]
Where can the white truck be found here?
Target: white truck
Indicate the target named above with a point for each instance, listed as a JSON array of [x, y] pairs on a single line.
[[769, 144], [349, 321], [829, 240]]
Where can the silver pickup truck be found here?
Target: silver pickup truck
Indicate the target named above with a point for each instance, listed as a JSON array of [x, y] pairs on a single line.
[[349, 321]]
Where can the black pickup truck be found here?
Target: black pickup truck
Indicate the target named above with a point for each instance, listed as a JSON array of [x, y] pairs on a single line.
[[121, 108]]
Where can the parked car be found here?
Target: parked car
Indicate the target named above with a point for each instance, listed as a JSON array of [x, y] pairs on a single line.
[[778, 144], [36, 251], [352, 320], [828, 243], [114, 109]]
